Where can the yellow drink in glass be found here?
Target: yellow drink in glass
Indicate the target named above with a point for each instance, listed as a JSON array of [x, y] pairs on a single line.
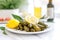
[[37, 12]]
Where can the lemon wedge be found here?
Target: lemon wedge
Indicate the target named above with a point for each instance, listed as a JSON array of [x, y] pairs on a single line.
[[31, 19], [12, 23]]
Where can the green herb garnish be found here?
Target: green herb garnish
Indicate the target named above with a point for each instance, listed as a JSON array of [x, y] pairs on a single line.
[[17, 17], [3, 29], [4, 33]]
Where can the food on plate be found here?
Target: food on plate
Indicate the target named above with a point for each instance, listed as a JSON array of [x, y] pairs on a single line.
[[7, 19], [4, 19], [28, 24], [26, 28], [36, 27], [1, 19], [31, 19], [29, 27], [42, 23], [12, 23], [32, 30]]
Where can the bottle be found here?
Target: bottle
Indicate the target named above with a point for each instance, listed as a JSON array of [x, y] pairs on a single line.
[[50, 11]]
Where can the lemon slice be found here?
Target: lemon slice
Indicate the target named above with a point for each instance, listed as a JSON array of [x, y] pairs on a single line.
[[12, 23], [31, 19]]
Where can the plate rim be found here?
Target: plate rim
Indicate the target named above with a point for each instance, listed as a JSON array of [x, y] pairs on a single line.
[[23, 32]]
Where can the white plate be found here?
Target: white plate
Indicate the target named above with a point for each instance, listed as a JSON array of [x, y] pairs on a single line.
[[23, 32]]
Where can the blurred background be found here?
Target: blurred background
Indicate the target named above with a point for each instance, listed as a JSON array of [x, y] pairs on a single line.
[[8, 7], [44, 3]]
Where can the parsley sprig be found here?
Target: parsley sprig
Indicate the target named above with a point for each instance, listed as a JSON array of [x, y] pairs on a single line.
[[3, 29]]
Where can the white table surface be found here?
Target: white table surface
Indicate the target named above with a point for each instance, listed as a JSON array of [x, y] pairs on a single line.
[[53, 34]]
